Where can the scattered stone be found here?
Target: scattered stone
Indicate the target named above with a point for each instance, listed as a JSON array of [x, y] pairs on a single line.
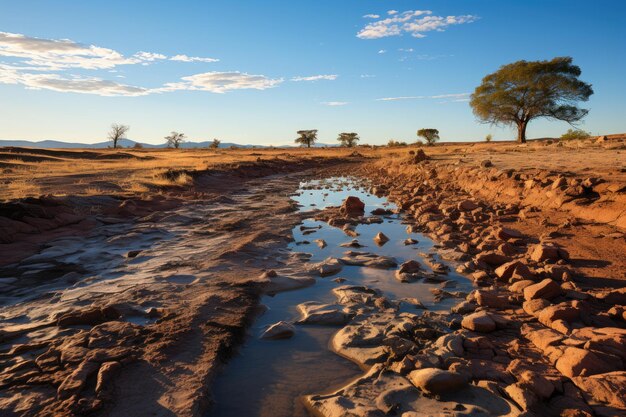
[[352, 206], [410, 241], [435, 381], [381, 239], [321, 243], [479, 322], [409, 271], [546, 289], [548, 252], [280, 330]]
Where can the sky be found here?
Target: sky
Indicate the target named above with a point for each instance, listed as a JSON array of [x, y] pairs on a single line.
[[255, 72]]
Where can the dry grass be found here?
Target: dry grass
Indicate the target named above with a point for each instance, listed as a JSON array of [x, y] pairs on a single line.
[[143, 170]]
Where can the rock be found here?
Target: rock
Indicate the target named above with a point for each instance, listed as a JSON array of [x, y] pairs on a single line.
[[491, 299], [581, 362], [486, 163], [563, 311], [325, 314], [479, 322], [533, 306], [286, 283], [329, 266], [381, 212], [546, 289], [370, 260], [435, 381], [522, 395], [548, 252], [75, 382], [410, 241], [613, 297], [381, 239], [506, 233], [108, 371], [609, 387], [491, 259], [464, 307], [518, 286], [537, 383], [321, 243], [467, 205], [280, 330], [543, 338], [409, 271], [506, 271], [449, 345], [133, 254], [352, 206]]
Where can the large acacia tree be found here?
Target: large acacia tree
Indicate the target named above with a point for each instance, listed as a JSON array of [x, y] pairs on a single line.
[[430, 135], [348, 139], [175, 139], [525, 90], [307, 137]]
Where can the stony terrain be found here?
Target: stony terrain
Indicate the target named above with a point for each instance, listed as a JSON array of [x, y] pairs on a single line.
[[126, 303]]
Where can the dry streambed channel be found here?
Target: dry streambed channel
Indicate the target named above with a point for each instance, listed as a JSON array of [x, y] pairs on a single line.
[[361, 326]]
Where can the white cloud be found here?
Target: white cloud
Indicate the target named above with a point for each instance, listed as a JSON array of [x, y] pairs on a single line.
[[371, 16], [222, 82], [413, 22], [149, 56], [454, 97], [382, 51], [367, 76], [392, 12], [56, 82], [335, 103], [406, 49], [330, 77], [185, 58]]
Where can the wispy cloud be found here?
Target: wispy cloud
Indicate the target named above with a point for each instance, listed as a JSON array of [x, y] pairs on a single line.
[[382, 51], [329, 77], [46, 64], [453, 97], [371, 16], [185, 58], [334, 103], [222, 82], [413, 22]]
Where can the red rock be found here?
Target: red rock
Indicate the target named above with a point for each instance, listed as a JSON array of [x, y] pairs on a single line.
[[75, 382], [479, 322], [106, 374], [518, 286], [548, 252], [543, 338], [506, 233], [614, 297], [353, 206], [522, 395], [533, 306], [561, 311], [609, 388], [491, 299], [437, 381], [546, 289], [491, 259], [581, 362], [467, 205], [506, 271]]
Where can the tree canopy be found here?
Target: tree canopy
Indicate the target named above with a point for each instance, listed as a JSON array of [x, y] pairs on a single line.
[[307, 137], [348, 139], [175, 139], [430, 135], [525, 90], [215, 144], [117, 132]]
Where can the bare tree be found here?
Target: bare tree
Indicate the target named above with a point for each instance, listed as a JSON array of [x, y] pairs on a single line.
[[215, 144], [175, 139], [117, 132]]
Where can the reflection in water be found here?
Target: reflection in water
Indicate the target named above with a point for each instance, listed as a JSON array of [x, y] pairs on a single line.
[[268, 376]]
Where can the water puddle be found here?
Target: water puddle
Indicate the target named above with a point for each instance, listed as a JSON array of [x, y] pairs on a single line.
[[268, 377]]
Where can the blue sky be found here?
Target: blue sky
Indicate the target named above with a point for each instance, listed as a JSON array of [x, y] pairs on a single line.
[[257, 71]]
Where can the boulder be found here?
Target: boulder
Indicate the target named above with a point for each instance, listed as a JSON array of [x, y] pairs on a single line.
[[352, 206], [518, 286], [479, 322], [608, 388], [324, 314], [467, 205], [506, 233], [506, 271], [581, 362], [491, 299], [522, 395], [435, 381], [533, 306], [548, 252], [546, 289], [491, 259], [108, 371]]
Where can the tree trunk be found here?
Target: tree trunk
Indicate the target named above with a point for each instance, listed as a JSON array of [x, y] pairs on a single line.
[[521, 132]]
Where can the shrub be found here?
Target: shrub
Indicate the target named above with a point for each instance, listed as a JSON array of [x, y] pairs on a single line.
[[488, 138], [575, 134]]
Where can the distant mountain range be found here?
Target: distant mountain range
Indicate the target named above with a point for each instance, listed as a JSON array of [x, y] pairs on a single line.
[[127, 143]]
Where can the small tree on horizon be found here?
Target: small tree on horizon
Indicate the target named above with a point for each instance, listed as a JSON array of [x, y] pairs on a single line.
[[488, 138], [430, 135], [525, 90], [307, 137], [215, 144], [117, 132], [175, 139], [348, 139]]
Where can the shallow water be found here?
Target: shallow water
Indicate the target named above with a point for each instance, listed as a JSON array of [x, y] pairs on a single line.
[[268, 377]]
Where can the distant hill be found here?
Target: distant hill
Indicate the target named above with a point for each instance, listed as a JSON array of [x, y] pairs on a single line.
[[127, 143]]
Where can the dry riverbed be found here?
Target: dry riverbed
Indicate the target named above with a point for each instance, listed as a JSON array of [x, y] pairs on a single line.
[[459, 287]]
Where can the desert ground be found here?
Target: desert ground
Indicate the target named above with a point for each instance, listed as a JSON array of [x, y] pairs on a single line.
[[482, 279]]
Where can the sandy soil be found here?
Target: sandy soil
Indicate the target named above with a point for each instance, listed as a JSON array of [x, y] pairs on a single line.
[[128, 285]]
